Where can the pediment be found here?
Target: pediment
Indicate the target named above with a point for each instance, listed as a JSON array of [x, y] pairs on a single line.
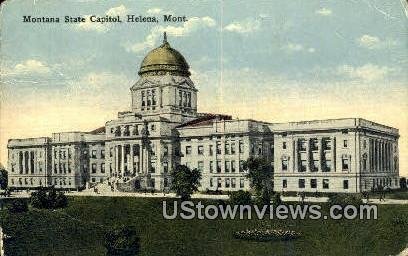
[[167, 80]]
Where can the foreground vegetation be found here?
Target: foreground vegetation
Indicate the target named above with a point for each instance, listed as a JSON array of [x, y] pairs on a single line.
[[80, 229]]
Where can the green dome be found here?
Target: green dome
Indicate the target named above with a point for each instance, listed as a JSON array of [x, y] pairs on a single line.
[[163, 60]]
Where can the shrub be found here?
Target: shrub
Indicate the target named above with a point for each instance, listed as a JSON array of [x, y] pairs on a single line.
[[267, 235], [400, 221], [276, 199], [240, 198], [48, 199], [122, 241], [345, 199], [18, 206]]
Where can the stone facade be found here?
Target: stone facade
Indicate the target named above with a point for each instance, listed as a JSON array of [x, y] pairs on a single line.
[[340, 155], [163, 129]]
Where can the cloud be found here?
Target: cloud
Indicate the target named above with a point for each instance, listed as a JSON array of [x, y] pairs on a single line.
[[244, 27], [324, 12], [192, 25], [27, 67], [92, 26], [102, 27], [368, 41], [155, 11], [373, 42], [368, 72], [119, 10], [295, 47]]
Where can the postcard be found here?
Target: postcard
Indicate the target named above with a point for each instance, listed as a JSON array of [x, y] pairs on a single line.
[[204, 127]]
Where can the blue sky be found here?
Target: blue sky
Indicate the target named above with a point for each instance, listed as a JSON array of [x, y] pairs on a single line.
[[269, 60]]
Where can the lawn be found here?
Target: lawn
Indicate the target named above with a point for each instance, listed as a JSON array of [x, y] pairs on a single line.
[[79, 229]]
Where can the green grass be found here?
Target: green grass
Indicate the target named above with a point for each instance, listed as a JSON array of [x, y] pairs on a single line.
[[79, 229]]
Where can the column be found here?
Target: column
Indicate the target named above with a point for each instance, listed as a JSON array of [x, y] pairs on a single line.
[[320, 145], [116, 159], [389, 157], [24, 162], [131, 158], [122, 165], [308, 155], [29, 161], [379, 156], [295, 155], [375, 155], [333, 151]]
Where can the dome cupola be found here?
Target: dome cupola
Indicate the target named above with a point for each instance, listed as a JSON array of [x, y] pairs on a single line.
[[164, 60]]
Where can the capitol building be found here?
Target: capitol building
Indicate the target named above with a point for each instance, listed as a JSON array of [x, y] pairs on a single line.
[[163, 129]]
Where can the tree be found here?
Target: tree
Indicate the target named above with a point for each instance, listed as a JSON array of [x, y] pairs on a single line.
[[18, 206], [185, 181], [3, 178], [260, 173], [403, 183], [240, 198], [122, 241]]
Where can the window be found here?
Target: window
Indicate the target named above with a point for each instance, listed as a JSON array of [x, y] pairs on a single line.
[[315, 144], [218, 147], [345, 143], [345, 184], [93, 168], [211, 166], [284, 183], [180, 98], [102, 167], [111, 152], [325, 183], [233, 183], [200, 166], [189, 99], [148, 98], [227, 166], [301, 183], [345, 164], [232, 148], [302, 145], [185, 99], [241, 146], [313, 183], [227, 148], [211, 150], [200, 150], [303, 165], [227, 182], [232, 166], [211, 182], [315, 166], [241, 183], [284, 145], [165, 167], [327, 144], [93, 179], [102, 153], [218, 166], [241, 166], [327, 166], [284, 165], [143, 99], [153, 97], [218, 182], [188, 150]]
